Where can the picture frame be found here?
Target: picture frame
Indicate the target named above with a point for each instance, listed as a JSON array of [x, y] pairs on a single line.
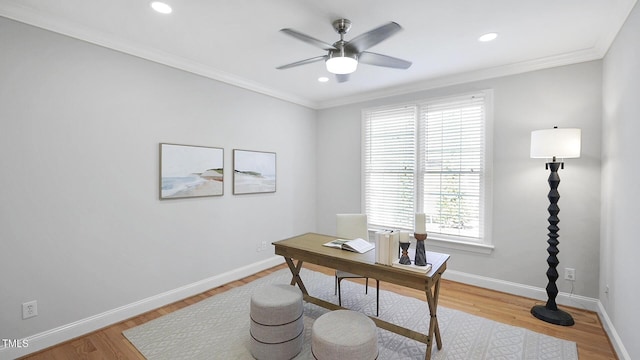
[[254, 172], [188, 171]]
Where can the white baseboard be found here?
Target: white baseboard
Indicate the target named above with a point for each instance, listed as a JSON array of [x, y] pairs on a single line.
[[533, 292], [565, 299], [618, 346], [70, 331]]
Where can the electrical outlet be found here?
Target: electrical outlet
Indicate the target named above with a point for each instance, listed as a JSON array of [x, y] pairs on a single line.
[[262, 246], [29, 309], [570, 274]]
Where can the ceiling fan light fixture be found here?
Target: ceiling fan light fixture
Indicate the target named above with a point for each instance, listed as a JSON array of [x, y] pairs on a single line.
[[341, 64]]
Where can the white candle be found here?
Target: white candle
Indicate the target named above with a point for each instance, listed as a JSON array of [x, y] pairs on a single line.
[[420, 227], [404, 237]]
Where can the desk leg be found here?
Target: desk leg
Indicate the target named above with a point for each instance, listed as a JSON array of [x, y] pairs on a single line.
[[434, 328], [295, 271], [436, 296]]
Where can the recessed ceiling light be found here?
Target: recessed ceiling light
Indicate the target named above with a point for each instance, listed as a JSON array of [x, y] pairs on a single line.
[[488, 37], [323, 79], [161, 7]]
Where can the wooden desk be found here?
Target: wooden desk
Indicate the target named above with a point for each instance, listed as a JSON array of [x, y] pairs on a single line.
[[308, 247]]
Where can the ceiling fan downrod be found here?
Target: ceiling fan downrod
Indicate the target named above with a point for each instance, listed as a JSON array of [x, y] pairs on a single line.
[[342, 26]]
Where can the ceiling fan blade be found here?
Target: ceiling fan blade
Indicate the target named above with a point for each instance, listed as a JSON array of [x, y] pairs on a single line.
[[302, 62], [342, 78], [308, 39], [383, 60], [364, 41]]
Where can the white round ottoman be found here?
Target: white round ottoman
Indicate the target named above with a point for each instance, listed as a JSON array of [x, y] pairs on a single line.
[[276, 322], [344, 334]]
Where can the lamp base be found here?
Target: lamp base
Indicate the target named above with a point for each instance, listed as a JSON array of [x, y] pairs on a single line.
[[557, 317]]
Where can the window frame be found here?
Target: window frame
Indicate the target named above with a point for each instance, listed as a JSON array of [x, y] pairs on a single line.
[[484, 244]]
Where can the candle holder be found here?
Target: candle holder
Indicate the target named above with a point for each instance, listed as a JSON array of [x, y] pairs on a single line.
[[404, 258], [421, 255]]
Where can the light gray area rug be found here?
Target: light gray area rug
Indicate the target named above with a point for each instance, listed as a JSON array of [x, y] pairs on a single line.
[[218, 327]]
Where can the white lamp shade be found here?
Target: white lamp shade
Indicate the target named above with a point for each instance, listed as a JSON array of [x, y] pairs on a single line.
[[560, 143], [341, 65]]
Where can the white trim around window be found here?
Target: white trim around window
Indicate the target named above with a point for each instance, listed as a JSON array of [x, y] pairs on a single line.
[[432, 156]]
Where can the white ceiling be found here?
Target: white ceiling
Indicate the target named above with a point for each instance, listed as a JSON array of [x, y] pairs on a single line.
[[238, 41]]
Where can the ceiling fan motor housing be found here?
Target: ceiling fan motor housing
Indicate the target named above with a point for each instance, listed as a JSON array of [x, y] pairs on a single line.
[[342, 50], [343, 60]]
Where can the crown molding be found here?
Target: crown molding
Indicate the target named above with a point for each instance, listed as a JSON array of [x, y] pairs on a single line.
[[30, 17], [471, 76], [596, 52]]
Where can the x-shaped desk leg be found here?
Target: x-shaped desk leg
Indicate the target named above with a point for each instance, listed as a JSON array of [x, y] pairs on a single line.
[[432, 289], [295, 271], [434, 328]]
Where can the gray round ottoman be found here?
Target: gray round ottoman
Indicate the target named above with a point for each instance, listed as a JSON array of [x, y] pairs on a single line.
[[276, 322], [344, 334]]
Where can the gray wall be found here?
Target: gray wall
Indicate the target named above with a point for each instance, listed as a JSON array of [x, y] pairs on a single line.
[[83, 232], [568, 96], [82, 229], [620, 185]]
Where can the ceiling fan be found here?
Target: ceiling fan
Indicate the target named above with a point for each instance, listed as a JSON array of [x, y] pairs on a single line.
[[342, 57]]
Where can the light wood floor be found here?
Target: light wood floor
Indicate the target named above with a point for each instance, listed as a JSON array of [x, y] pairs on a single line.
[[593, 343]]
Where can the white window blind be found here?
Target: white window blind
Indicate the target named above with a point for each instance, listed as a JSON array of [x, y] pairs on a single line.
[[427, 157], [390, 166], [451, 134]]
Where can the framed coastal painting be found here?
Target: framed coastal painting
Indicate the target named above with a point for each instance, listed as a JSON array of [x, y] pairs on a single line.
[[190, 171], [254, 172]]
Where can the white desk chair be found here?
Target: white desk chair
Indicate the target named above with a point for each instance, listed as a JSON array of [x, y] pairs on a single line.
[[352, 226]]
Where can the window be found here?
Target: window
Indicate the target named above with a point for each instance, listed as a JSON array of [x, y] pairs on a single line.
[[429, 157]]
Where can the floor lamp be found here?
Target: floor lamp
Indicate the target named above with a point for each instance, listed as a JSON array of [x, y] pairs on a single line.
[[554, 144]]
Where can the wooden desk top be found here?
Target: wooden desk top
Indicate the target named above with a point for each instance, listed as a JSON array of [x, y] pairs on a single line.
[[309, 247]]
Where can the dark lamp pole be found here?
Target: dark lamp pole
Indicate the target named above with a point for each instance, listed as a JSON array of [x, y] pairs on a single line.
[[549, 144], [550, 312]]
